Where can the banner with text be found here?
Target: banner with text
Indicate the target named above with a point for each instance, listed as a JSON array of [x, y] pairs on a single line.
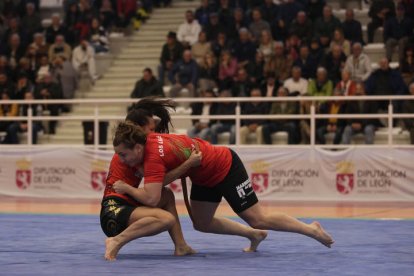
[[361, 174]]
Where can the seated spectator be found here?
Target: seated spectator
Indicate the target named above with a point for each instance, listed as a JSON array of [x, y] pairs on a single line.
[[314, 9], [44, 67], [269, 10], [200, 48], [335, 61], [184, 74], [316, 53], [408, 107], [339, 39], [66, 76], [39, 45], [202, 13], [31, 21], [83, 23], [107, 14], [140, 16], [7, 85], [98, 37], [302, 27], [253, 125], [24, 84], [244, 50], [325, 26], [358, 64], [292, 46], [214, 27], [365, 126], [72, 17], [227, 70], [172, 51], [280, 25], [7, 110], [270, 86], [397, 31], [220, 44], [288, 125], [14, 51], [208, 72], [55, 29], [352, 28], [14, 28], [255, 69], [258, 25], [225, 12], [379, 11], [84, 57], [46, 89], [306, 63], [266, 45], [407, 65], [220, 126], [241, 86], [239, 21], [126, 10], [296, 85], [321, 86], [304, 124], [17, 127], [188, 31], [346, 85], [201, 127], [60, 47], [25, 68], [147, 86], [331, 125], [280, 64]]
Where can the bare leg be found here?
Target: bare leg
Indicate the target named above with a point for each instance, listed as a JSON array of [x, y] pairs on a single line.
[[144, 221], [256, 218], [167, 203], [205, 221]]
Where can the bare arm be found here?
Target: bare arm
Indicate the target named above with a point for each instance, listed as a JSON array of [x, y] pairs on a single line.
[[193, 161]]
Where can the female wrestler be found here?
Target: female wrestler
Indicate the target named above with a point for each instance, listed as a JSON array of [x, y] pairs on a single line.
[[125, 219], [221, 174]]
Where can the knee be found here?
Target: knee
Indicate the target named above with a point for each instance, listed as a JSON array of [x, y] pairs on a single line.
[[169, 220]]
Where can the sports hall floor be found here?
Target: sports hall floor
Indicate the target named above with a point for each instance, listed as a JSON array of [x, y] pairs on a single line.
[[55, 237]]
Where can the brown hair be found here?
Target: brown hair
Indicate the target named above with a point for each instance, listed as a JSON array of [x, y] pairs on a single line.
[[129, 134]]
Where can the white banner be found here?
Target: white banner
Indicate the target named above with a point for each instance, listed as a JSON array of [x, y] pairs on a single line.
[[361, 174]]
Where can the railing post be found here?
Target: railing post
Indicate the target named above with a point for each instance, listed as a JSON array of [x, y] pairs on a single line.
[[312, 124], [238, 112], [30, 125], [96, 127], [390, 123]]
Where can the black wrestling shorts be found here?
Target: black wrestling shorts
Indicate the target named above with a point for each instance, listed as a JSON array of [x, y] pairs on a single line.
[[236, 188], [115, 213]]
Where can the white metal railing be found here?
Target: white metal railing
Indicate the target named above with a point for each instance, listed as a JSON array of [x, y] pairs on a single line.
[[98, 103]]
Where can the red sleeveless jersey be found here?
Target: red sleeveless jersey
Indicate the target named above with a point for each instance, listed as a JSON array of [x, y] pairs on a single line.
[[165, 152]]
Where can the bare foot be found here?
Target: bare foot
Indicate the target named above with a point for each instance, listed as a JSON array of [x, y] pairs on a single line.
[[259, 235], [184, 251], [321, 235], [111, 249]]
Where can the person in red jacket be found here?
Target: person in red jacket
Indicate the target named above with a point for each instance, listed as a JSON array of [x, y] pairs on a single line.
[[221, 174]]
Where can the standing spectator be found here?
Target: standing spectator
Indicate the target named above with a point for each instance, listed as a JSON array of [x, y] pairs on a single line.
[[379, 11], [304, 124], [408, 107], [352, 28], [126, 10], [98, 37], [407, 65], [280, 64], [172, 51], [202, 13], [331, 125], [72, 17], [321, 86], [296, 85], [346, 85], [201, 127], [31, 22], [208, 72], [184, 74], [354, 126], [302, 27], [288, 125], [141, 15], [60, 47], [358, 64], [306, 63], [325, 26], [397, 31], [244, 50], [253, 125], [147, 86], [7, 86], [200, 48], [7, 110], [55, 29], [227, 70], [188, 31], [220, 126], [335, 61], [258, 25], [66, 77], [84, 57], [241, 86], [107, 14]]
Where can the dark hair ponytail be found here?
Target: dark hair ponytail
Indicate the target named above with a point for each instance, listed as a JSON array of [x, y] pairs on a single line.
[[150, 106]]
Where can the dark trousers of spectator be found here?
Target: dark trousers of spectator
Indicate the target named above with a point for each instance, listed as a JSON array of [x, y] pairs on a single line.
[[123, 22], [289, 127], [162, 72], [372, 26], [320, 135], [14, 129], [54, 111]]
